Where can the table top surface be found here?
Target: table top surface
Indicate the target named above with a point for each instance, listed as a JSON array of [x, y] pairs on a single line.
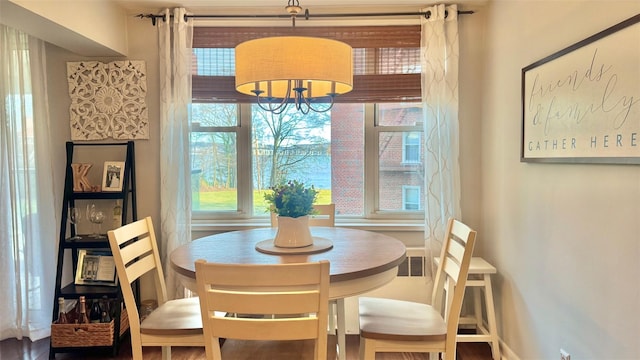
[[355, 253]]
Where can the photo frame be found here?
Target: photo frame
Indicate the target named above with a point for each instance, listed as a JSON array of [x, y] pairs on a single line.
[[113, 176], [582, 103], [96, 267]]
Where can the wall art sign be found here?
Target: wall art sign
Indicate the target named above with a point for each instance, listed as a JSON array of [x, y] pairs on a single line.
[[582, 104], [108, 100]]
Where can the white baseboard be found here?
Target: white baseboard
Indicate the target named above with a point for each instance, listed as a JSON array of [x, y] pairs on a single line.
[[507, 353]]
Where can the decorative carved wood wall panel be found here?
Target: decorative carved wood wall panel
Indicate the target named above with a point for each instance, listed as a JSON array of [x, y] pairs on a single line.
[[108, 100]]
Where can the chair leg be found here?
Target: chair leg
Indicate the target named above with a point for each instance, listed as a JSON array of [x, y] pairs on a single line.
[[491, 318], [367, 350], [166, 353], [332, 317], [213, 350], [136, 348], [341, 332], [477, 308], [136, 353]]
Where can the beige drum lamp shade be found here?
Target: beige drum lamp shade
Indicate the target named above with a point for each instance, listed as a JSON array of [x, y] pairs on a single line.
[[297, 68]]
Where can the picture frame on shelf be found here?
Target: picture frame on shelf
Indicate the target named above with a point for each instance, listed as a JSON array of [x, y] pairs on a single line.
[[113, 175], [96, 267]]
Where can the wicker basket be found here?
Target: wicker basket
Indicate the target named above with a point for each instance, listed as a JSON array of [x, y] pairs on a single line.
[[124, 321], [86, 335]]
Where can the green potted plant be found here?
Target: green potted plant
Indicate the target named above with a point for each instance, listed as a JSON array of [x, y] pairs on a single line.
[[293, 203], [291, 199]]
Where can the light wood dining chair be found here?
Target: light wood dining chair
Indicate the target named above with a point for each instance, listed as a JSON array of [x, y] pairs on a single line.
[[297, 293], [173, 322], [388, 325], [325, 216]]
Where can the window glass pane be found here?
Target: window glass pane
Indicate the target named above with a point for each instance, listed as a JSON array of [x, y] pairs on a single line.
[[399, 61], [347, 149], [394, 174], [399, 114], [214, 62], [290, 146], [368, 61], [214, 115], [214, 158]]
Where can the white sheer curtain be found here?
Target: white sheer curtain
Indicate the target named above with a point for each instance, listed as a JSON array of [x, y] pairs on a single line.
[[176, 37], [27, 217], [439, 57]]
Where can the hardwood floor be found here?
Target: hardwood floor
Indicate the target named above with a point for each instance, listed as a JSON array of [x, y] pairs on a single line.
[[12, 349]]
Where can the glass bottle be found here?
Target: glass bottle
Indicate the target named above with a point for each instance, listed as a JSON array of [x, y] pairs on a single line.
[[106, 312], [112, 308], [82, 317], [117, 215], [72, 315], [62, 315], [96, 313]]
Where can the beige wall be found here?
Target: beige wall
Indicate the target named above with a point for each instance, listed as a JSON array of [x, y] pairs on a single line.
[[565, 238], [143, 47]]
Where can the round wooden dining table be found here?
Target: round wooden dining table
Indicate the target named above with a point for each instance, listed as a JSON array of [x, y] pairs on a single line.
[[360, 260]]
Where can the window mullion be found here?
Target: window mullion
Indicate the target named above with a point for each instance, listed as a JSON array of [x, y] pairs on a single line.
[[245, 183], [370, 161]]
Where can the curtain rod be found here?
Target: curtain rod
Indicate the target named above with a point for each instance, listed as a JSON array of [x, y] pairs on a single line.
[[307, 15]]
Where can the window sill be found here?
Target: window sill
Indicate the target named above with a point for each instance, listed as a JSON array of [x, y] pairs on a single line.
[[362, 224]]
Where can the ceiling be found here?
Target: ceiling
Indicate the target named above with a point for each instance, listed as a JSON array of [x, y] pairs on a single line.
[[277, 6]]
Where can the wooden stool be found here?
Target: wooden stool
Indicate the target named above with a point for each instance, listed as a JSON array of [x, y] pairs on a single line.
[[480, 277]]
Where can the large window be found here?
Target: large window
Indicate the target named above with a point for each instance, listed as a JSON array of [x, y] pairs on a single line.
[[362, 155]]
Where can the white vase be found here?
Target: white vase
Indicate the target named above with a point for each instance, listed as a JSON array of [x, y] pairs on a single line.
[[293, 232]]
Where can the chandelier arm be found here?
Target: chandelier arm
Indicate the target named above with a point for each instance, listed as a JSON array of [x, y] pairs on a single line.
[[300, 100], [276, 109], [271, 107], [321, 110], [309, 104]]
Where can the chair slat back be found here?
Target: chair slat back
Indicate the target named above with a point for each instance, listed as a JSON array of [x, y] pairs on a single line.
[[141, 246], [451, 276], [135, 253], [275, 303], [256, 292], [326, 216]]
